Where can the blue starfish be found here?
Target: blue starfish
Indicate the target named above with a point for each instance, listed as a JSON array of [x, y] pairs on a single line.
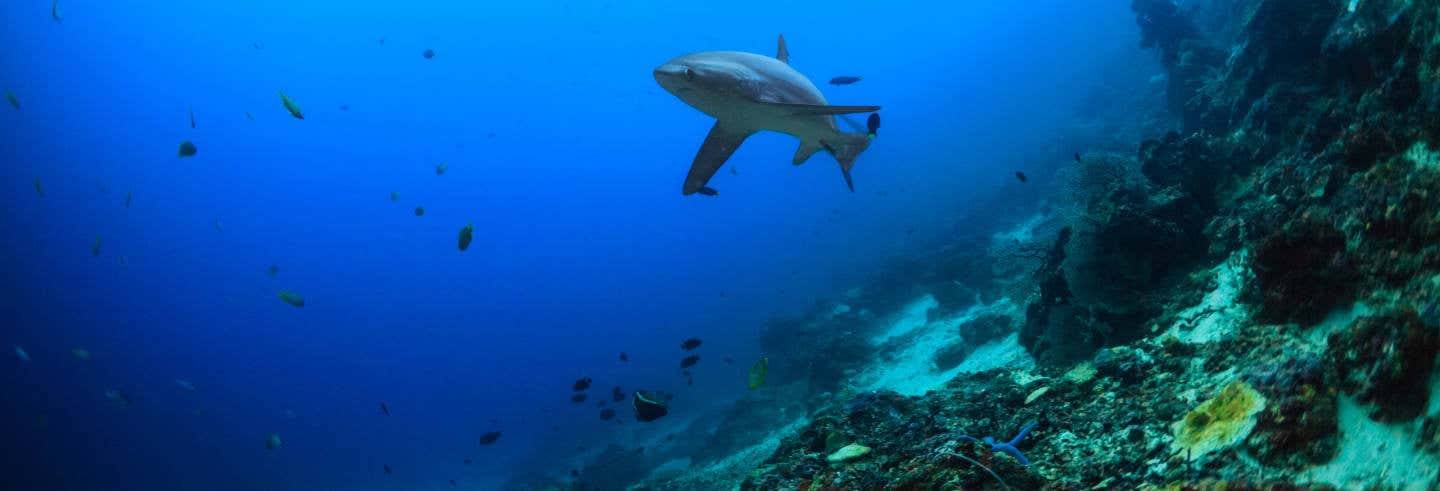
[[1008, 447]]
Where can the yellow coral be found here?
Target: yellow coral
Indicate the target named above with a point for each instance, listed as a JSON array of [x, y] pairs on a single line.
[[1219, 422]]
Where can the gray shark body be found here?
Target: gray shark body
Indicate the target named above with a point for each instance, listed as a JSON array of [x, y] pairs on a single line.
[[746, 93]]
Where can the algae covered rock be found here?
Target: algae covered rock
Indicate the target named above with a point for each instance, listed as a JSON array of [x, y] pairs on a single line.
[[1219, 422], [848, 453]]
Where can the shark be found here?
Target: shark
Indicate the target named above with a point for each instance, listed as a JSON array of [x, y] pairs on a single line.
[[747, 93]]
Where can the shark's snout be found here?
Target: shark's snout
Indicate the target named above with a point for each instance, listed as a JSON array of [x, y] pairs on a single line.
[[673, 77]]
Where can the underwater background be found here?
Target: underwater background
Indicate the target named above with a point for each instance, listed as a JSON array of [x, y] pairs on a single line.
[[1146, 243]]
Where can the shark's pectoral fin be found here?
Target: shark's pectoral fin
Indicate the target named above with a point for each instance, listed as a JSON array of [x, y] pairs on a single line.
[[718, 146], [782, 53], [805, 151], [819, 110]]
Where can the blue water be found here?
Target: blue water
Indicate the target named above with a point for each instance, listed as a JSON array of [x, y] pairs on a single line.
[[562, 150]]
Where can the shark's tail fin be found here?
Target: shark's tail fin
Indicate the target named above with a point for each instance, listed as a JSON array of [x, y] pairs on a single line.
[[845, 147]]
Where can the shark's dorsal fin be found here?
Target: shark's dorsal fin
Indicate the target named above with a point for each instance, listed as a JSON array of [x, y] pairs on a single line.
[[718, 146], [782, 53], [816, 109]]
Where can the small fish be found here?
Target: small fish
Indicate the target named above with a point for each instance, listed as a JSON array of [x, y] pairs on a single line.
[[581, 384], [624, 357], [616, 394], [845, 80], [394, 196], [344, 107], [419, 211], [291, 106], [14, 101], [452, 483], [55, 12], [440, 169], [272, 442], [124, 261], [872, 124], [690, 344], [95, 249], [469, 460], [577, 398], [428, 54], [689, 381], [257, 45], [39, 189], [129, 195], [382, 40], [187, 149], [650, 406], [192, 118], [734, 171], [1077, 158], [249, 116], [729, 360], [487, 439], [601, 403], [689, 361], [117, 398], [574, 473], [466, 234], [218, 226], [292, 298], [185, 385], [607, 414], [21, 354], [758, 372], [384, 409], [1021, 176], [273, 270], [387, 469]]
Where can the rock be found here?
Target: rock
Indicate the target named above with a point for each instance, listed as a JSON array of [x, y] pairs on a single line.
[[848, 453]]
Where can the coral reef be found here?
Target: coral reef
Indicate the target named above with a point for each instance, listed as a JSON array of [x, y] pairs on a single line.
[[1246, 295]]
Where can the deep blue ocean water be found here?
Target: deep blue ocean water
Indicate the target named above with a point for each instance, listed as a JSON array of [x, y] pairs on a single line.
[[563, 152]]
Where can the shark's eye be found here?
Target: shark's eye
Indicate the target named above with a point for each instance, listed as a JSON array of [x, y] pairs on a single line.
[[689, 74]]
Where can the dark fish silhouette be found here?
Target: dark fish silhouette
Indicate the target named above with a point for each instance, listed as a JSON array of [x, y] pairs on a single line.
[[577, 398], [624, 357], [428, 54], [581, 384], [1021, 176], [607, 414], [187, 149], [650, 406], [486, 439], [387, 469], [845, 80], [1077, 158], [419, 211], [192, 118], [468, 460], [384, 409], [690, 344], [274, 270], [689, 361], [452, 483], [617, 395], [466, 234]]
